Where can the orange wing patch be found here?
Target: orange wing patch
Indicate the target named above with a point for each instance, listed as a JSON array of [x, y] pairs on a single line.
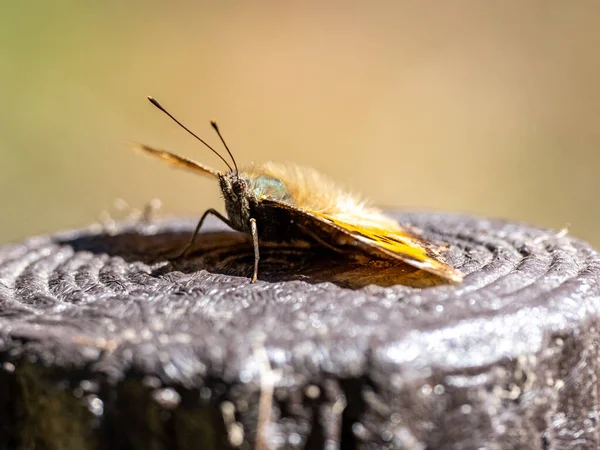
[[398, 244]]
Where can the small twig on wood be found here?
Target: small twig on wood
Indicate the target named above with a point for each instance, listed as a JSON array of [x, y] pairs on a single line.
[[268, 379]]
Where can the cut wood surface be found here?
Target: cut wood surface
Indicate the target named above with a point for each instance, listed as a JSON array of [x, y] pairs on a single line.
[[104, 344]]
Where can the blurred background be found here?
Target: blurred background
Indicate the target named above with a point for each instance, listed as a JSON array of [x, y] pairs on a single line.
[[491, 108]]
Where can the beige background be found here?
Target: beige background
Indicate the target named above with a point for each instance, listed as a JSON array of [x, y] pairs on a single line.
[[484, 107]]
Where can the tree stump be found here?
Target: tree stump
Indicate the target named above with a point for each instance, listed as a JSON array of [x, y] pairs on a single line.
[[106, 345]]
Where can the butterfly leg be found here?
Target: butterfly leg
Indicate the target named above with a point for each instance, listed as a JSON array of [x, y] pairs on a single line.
[[190, 244], [254, 231]]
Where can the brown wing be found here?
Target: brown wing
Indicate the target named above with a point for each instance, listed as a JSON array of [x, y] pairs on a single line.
[[396, 243], [176, 160]]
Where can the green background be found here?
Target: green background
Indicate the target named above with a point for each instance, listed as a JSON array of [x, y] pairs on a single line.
[[484, 107]]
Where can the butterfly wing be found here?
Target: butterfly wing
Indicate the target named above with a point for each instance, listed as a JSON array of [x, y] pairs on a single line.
[[176, 160], [401, 245], [391, 241]]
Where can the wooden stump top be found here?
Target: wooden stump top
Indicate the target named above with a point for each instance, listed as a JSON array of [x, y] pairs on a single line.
[[104, 344]]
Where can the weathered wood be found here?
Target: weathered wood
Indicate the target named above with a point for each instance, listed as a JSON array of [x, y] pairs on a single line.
[[104, 345]]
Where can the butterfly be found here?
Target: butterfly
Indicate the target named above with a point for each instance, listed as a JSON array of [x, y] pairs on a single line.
[[285, 202]]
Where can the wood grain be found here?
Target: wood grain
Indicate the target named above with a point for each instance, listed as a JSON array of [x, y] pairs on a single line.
[[106, 345]]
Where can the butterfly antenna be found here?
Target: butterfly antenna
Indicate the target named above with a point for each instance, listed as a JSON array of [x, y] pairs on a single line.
[[159, 106], [214, 125]]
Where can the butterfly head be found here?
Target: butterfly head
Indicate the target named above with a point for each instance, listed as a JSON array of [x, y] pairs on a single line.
[[238, 197]]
